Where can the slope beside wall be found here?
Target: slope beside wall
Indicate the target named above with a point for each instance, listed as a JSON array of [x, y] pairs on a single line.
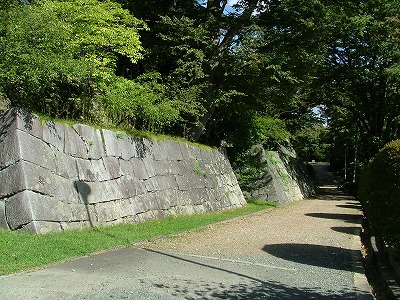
[[55, 177], [283, 178]]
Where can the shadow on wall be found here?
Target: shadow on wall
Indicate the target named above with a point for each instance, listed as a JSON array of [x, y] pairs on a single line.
[[84, 191], [7, 118]]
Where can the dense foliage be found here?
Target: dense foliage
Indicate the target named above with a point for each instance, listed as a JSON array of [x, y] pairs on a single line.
[[379, 193], [209, 71]]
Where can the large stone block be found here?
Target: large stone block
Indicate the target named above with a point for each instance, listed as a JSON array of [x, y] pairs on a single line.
[[93, 140], [3, 218], [34, 150], [29, 206], [27, 176], [16, 118], [19, 209], [161, 167], [9, 148], [180, 167], [167, 182], [152, 184], [167, 150], [109, 211], [12, 180], [53, 134], [74, 144], [66, 165], [118, 144], [198, 196], [150, 167], [92, 170], [139, 169], [75, 225], [95, 192], [131, 186], [113, 167], [41, 227], [15, 121]]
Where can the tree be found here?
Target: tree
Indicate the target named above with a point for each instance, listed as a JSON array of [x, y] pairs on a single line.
[[56, 56], [361, 71], [233, 60]]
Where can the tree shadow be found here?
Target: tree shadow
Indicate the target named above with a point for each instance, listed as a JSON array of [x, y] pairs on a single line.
[[84, 191], [314, 255], [350, 205], [347, 230], [348, 218], [329, 192], [253, 289]]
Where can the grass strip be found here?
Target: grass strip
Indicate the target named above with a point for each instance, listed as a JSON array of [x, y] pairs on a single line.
[[21, 251]]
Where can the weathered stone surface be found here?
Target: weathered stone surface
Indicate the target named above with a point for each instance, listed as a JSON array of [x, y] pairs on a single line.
[[9, 147], [74, 145], [118, 144], [113, 167], [24, 121], [32, 149], [92, 139], [92, 170], [41, 227], [3, 219], [19, 209], [131, 186], [139, 169], [171, 150], [53, 134], [74, 225], [29, 206], [32, 177], [109, 211], [180, 167], [12, 180], [150, 167], [152, 184], [184, 183], [168, 182], [161, 167], [66, 166], [96, 192], [128, 145]]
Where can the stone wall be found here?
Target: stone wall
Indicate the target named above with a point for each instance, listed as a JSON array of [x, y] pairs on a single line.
[[55, 177], [283, 178]]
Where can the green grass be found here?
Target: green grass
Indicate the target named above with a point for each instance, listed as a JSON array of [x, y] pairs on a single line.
[[23, 251]]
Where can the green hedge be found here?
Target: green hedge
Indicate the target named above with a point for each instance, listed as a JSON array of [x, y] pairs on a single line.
[[379, 192]]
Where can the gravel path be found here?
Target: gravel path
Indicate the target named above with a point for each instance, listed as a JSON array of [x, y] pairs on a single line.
[[310, 249]]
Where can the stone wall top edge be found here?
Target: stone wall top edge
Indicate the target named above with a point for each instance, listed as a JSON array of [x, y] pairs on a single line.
[[32, 123]]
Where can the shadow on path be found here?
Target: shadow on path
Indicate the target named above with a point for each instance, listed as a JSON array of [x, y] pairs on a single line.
[[255, 289], [348, 218], [314, 255]]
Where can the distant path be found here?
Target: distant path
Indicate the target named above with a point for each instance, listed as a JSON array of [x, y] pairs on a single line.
[[306, 250]]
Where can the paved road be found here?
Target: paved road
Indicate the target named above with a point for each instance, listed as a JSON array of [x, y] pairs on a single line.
[[307, 250]]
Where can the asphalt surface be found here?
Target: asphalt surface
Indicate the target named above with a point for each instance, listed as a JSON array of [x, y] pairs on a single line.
[[307, 250]]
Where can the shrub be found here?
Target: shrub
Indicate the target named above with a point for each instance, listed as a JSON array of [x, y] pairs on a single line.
[[379, 191]]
